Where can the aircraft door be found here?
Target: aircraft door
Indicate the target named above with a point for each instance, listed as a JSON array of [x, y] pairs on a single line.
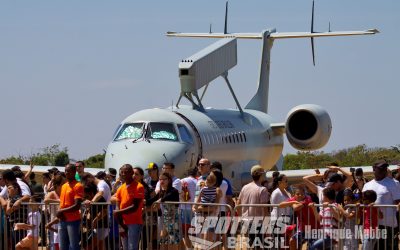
[[190, 151]]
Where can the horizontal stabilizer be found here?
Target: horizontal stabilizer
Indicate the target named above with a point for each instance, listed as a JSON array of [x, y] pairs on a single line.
[[275, 35]]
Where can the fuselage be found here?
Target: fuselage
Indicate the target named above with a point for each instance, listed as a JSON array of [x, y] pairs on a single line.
[[184, 135]]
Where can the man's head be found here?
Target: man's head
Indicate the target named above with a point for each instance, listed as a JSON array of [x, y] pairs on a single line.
[[192, 172], [80, 167], [299, 193], [380, 170], [204, 166], [126, 173], [335, 182], [70, 171], [257, 173], [169, 168], [152, 170]]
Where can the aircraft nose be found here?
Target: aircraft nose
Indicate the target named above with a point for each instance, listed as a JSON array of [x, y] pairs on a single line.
[[140, 154]]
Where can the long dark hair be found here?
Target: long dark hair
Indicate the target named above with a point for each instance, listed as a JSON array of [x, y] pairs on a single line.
[[276, 181], [169, 187]]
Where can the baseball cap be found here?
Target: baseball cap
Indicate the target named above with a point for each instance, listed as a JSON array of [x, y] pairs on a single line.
[[152, 166], [335, 178], [257, 169]]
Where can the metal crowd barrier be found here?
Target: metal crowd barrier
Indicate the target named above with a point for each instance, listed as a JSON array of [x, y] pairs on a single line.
[[182, 225]]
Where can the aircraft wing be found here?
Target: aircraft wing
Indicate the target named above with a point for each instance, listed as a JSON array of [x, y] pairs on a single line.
[[274, 35]]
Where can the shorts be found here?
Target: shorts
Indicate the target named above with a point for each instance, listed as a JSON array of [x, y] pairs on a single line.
[[29, 242]]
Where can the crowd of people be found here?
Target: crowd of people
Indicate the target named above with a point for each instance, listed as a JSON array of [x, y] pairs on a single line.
[[156, 209]]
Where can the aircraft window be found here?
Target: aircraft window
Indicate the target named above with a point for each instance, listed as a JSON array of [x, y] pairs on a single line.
[[116, 130], [130, 131], [241, 137], [230, 139], [233, 138], [237, 137], [185, 135], [162, 131], [244, 136]]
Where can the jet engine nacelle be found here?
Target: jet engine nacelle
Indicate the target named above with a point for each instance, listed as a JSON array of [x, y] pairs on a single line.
[[308, 127]]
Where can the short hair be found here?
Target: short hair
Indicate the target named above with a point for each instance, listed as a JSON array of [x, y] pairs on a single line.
[[329, 193], [129, 166], [275, 174], [217, 165], [112, 171], [80, 162], [86, 176], [71, 166], [169, 164], [192, 171], [370, 195], [47, 175], [334, 164], [19, 174], [139, 169], [16, 186]]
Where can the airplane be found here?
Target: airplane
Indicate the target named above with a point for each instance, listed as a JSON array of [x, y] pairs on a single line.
[[238, 138]]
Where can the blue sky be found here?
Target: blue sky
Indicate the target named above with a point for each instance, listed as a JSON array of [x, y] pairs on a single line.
[[70, 71]]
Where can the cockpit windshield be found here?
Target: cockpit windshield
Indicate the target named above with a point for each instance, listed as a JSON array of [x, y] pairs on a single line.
[[161, 131], [130, 131]]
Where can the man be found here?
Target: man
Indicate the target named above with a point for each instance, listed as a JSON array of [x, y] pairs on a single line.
[[152, 179], [103, 190], [169, 168], [254, 193], [70, 203], [388, 193], [204, 167], [112, 176], [334, 180], [80, 170], [129, 198]]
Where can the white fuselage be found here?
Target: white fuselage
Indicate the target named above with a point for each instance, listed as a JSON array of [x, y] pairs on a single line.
[[237, 141]]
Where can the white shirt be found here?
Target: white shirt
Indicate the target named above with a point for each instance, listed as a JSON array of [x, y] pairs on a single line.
[[103, 186], [176, 183], [223, 187], [191, 185], [34, 219], [387, 192], [25, 190], [277, 197]]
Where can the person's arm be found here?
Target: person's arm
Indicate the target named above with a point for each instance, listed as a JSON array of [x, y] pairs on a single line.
[[349, 180], [24, 198], [285, 204], [26, 177], [308, 180], [9, 208], [76, 206], [316, 214], [131, 209], [49, 226]]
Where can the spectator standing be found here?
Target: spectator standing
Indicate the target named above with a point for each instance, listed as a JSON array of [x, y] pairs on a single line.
[[169, 168], [187, 195], [153, 173], [170, 234], [254, 193], [388, 193], [129, 198], [69, 215], [204, 167], [80, 170]]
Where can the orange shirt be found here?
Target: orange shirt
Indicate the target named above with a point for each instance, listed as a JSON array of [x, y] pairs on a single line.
[[125, 195], [71, 191]]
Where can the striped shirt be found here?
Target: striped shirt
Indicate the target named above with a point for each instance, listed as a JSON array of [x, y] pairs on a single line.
[[208, 194], [328, 221]]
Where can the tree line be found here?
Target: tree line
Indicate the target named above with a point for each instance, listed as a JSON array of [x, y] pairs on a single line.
[[360, 155]]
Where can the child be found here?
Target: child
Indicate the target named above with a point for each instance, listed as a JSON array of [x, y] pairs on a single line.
[[34, 218], [328, 218], [370, 218], [208, 194], [350, 243], [304, 217]]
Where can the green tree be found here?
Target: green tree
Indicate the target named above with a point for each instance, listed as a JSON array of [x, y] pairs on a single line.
[[95, 161]]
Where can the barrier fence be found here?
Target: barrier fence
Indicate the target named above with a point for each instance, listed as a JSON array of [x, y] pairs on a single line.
[[179, 225]]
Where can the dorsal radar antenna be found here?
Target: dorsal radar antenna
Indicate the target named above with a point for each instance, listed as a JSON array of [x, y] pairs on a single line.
[[260, 99]]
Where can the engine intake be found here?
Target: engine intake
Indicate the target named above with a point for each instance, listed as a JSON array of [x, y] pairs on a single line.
[[308, 127]]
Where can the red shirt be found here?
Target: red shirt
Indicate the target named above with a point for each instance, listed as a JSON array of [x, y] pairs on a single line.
[[125, 195], [370, 215], [305, 216]]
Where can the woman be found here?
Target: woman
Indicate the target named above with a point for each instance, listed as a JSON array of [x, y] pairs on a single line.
[[279, 195], [170, 235]]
